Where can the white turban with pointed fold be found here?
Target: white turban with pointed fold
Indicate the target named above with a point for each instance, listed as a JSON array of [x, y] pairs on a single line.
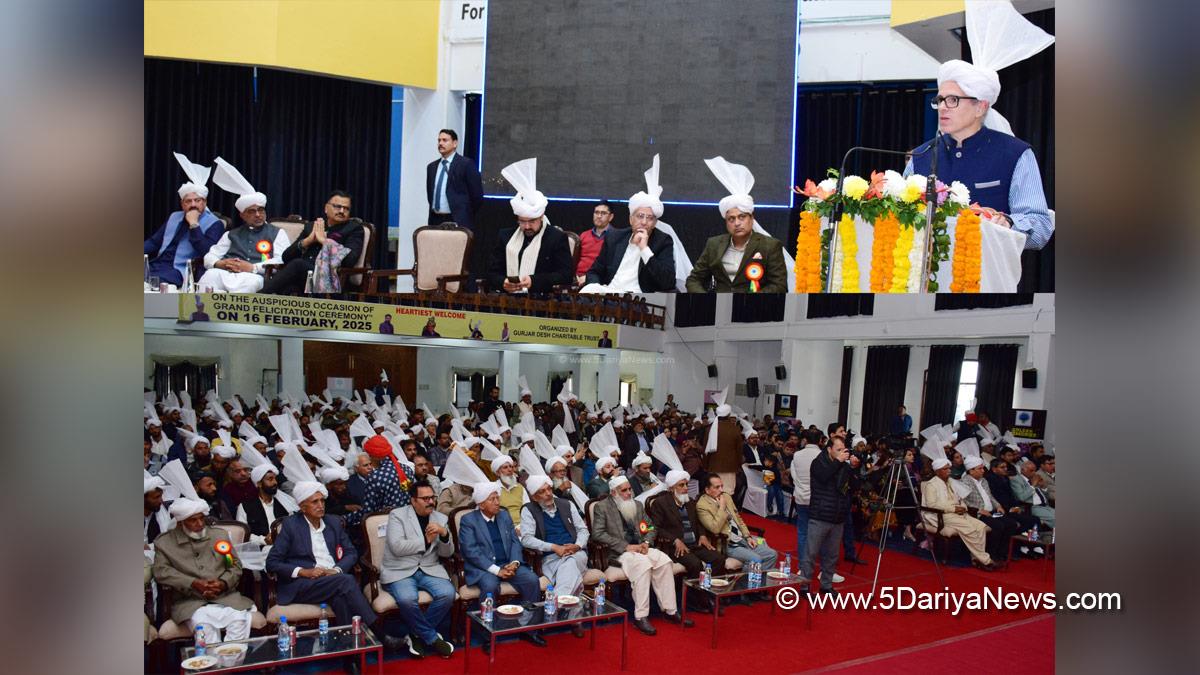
[[603, 462], [529, 203], [197, 177], [536, 483], [481, 491], [972, 462], [738, 180], [499, 462], [182, 509], [940, 463], [616, 482], [230, 179], [328, 474], [554, 461], [152, 483], [652, 195], [641, 458], [260, 472]]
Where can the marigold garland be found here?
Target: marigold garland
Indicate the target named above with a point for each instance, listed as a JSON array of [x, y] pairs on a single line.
[[887, 230], [848, 249], [902, 260], [808, 254], [967, 258]]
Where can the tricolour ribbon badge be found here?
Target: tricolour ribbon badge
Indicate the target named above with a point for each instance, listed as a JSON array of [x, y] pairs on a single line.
[[754, 272]]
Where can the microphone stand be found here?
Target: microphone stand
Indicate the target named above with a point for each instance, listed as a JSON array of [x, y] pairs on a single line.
[[930, 210], [835, 214]]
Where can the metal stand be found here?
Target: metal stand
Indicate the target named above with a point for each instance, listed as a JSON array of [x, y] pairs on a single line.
[[896, 471], [927, 254]]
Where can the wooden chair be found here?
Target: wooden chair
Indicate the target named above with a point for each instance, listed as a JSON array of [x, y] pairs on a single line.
[[441, 260]]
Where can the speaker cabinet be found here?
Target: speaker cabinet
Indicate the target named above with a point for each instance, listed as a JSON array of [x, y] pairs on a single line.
[[1029, 378], [752, 387]]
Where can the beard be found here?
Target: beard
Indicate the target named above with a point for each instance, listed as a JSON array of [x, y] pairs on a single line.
[[682, 498], [270, 491], [628, 508], [508, 481], [196, 536]]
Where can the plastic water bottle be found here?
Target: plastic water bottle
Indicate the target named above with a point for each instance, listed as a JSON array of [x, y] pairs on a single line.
[[550, 608], [323, 623], [308, 283], [486, 608], [706, 577], [787, 565], [284, 639], [1034, 533], [146, 271], [600, 595], [756, 570], [201, 643]]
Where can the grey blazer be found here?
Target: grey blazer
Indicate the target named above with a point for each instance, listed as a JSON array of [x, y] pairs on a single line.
[[973, 498], [406, 549]]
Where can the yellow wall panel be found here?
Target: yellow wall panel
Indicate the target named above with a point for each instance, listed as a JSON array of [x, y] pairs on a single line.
[[390, 41], [912, 11]]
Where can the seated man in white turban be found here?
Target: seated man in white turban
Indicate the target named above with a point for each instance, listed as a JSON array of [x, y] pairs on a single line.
[[259, 514], [556, 471], [621, 526], [742, 260], [189, 560], [492, 554], [641, 258], [606, 468], [188, 232], [984, 506], [512, 493], [998, 170], [552, 526], [235, 263], [641, 477], [536, 255], [938, 494], [155, 517]]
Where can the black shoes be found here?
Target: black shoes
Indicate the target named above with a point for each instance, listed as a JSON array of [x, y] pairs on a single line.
[[394, 644], [442, 648], [676, 619], [535, 638], [643, 624], [416, 647]]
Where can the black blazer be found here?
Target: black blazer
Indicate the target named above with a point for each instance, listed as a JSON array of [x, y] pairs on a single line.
[[464, 189], [349, 234], [554, 263], [656, 276]]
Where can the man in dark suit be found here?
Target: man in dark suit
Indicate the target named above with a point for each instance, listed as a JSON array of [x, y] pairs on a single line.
[[736, 251], [492, 552], [452, 184], [605, 341], [680, 534], [531, 236], [312, 559], [300, 258], [998, 481], [655, 255]]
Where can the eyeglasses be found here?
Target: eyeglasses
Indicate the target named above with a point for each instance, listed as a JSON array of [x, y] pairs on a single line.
[[645, 217], [427, 498], [951, 101], [339, 207]]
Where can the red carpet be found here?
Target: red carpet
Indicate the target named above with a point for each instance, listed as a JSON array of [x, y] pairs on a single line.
[[753, 639]]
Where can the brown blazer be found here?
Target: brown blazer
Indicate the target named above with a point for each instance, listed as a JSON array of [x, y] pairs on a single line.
[[709, 270], [728, 457], [178, 561], [662, 510]]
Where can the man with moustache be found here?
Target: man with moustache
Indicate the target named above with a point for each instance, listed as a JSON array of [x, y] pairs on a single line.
[[552, 526], [262, 511], [188, 232], [300, 258], [236, 262]]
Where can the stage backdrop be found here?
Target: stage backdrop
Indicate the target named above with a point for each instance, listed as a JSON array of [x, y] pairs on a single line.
[[594, 90]]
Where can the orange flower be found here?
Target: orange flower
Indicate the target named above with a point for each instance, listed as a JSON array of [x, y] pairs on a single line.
[[808, 253], [887, 231], [966, 261], [811, 189]]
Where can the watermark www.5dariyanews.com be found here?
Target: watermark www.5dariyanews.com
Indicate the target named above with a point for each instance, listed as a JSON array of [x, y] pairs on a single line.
[[905, 598]]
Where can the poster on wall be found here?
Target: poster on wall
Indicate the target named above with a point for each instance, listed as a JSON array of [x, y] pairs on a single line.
[[303, 313], [1028, 425], [785, 406], [340, 386]]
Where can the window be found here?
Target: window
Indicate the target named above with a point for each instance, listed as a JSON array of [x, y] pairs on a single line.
[[966, 388], [627, 392]]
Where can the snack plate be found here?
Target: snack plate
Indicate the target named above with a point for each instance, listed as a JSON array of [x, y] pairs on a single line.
[[510, 610], [199, 662]]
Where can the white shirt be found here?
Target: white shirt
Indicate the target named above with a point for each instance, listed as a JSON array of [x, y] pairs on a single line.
[[320, 550], [801, 464], [219, 249], [1037, 495], [625, 280], [732, 259], [444, 203]]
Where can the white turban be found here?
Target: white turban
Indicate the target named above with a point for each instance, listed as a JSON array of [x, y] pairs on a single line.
[[554, 461], [723, 410], [674, 476], [260, 472], [152, 483], [999, 37], [641, 458], [306, 489], [499, 462], [536, 483], [738, 180], [230, 179], [972, 462], [193, 439], [940, 463], [651, 197], [565, 450], [481, 491], [182, 509], [225, 451], [527, 437], [529, 203], [603, 462], [616, 482], [328, 474], [197, 177]]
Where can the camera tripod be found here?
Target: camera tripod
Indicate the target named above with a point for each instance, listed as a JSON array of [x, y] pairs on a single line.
[[887, 501]]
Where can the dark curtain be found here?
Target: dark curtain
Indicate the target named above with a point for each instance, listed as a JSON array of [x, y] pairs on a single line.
[[883, 388], [824, 305], [950, 301], [472, 135], [294, 136], [695, 309], [195, 380], [756, 308], [997, 377], [1027, 102], [844, 389], [941, 384]]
